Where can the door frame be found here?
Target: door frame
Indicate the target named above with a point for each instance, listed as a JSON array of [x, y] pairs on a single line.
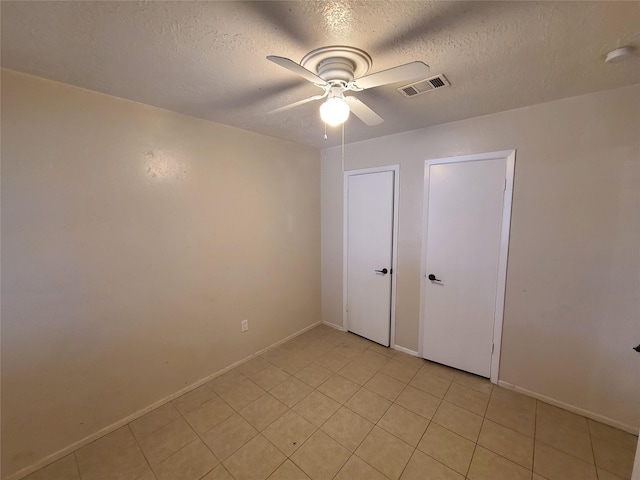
[[394, 242], [510, 157]]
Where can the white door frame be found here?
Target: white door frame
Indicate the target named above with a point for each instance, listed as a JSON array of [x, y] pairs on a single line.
[[510, 156], [394, 251]]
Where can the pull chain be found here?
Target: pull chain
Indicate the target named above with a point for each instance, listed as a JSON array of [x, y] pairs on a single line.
[[342, 145], [343, 148], [325, 139]]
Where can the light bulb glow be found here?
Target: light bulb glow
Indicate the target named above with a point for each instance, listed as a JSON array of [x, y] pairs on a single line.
[[334, 111]]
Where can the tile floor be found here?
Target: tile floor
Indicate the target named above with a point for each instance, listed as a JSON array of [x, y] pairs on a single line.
[[331, 405]]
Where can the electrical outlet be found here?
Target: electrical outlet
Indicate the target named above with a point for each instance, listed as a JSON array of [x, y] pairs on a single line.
[[245, 325]]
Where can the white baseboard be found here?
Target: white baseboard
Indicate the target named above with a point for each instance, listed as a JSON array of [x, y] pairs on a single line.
[[270, 347], [571, 408], [120, 423], [406, 350], [333, 325]]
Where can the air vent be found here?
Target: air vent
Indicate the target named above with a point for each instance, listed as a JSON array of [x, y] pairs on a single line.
[[424, 86]]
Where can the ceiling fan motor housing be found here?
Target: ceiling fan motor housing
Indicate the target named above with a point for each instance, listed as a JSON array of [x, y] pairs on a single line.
[[338, 63], [336, 69]]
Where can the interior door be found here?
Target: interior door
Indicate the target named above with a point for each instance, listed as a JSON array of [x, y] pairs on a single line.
[[369, 254], [464, 224]]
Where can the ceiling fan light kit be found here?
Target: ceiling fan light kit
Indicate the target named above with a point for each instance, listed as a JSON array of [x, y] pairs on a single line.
[[335, 111], [615, 56], [337, 69]]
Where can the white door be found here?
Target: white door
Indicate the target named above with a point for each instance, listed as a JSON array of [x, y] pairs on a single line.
[[369, 254], [463, 240]]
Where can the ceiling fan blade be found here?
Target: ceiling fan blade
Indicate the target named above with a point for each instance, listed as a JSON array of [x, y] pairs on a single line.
[[401, 73], [440, 16], [298, 103], [280, 15], [437, 16], [297, 69], [248, 99], [363, 112]]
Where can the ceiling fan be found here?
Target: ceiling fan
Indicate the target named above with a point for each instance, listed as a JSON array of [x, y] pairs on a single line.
[[338, 69]]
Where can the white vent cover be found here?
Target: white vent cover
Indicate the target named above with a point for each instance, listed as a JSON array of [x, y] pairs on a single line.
[[424, 86]]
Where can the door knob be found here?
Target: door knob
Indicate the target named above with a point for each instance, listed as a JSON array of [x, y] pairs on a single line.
[[433, 278], [384, 271]]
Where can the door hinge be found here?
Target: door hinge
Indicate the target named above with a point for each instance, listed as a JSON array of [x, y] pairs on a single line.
[[493, 347], [505, 185]]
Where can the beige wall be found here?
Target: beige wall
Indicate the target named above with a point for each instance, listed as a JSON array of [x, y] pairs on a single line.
[[134, 241], [572, 313]]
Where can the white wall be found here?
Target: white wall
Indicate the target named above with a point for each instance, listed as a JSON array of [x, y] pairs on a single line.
[[134, 241], [572, 313]]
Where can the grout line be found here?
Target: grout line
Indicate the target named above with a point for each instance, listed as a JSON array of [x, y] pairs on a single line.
[[442, 463], [75, 459], [140, 448], [535, 427], [286, 457], [410, 457], [475, 447], [205, 443], [367, 463], [593, 450]]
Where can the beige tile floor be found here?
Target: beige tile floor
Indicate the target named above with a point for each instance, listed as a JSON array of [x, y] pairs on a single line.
[[331, 405]]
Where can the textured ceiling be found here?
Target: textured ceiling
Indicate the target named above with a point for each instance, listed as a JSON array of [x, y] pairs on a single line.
[[207, 59]]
